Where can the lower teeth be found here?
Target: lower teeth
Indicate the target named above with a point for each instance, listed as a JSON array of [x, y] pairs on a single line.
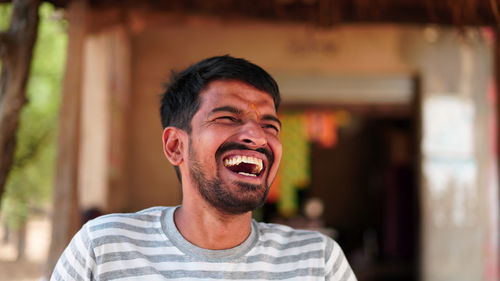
[[247, 174]]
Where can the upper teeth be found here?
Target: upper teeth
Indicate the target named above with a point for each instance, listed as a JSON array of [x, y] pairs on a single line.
[[236, 160]]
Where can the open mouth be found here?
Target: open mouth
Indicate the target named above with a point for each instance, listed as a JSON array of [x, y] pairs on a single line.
[[244, 165]]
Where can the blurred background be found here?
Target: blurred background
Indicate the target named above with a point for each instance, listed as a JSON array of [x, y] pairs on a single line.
[[389, 110]]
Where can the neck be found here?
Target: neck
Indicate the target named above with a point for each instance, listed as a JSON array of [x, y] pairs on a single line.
[[208, 228]]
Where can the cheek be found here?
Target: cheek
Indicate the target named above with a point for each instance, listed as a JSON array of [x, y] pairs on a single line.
[[206, 148], [276, 146], [277, 149]]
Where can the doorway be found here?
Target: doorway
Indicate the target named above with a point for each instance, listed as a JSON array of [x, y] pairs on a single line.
[[366, 183]]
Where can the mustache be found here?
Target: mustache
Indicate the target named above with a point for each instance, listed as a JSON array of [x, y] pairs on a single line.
[[232, 146]]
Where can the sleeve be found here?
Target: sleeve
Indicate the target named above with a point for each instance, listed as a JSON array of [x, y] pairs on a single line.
[[337, 267], [77, 262]]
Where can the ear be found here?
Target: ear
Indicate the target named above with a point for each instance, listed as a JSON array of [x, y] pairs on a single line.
[[173, 145]]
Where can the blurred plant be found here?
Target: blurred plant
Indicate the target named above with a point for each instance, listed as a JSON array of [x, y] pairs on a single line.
[[29, 185], [5, 15]]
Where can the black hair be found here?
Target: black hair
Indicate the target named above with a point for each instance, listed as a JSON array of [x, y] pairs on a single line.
[[180, 101]]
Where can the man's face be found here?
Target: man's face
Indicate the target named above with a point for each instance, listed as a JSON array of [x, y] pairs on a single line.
[[234, 147]]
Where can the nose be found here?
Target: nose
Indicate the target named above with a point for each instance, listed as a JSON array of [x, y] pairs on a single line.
[[252, 134]]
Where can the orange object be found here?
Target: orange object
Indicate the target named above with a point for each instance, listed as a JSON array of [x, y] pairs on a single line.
[[322, 128], [274, 191]]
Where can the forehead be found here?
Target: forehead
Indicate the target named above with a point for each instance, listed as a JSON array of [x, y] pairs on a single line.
[[232, 92]]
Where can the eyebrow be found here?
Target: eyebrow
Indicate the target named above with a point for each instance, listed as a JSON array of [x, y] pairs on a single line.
[[271, 118], [234, 110], [226, 108]]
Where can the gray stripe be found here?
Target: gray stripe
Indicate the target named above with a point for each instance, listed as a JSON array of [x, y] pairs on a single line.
[[70, 269], [284, 259], [136, 216], [337, 263], [103, 240], [90, 274], [117, 256], [346, 274], [218, 275], [329, 275], [286, 234], [76, 254], [90, 252], [156, 209], [295, 244], [84, 235], [56, 276], [126, 226], [328, 249]]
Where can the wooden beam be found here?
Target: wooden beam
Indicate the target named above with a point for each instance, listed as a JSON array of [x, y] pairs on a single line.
[[493, 254], [66, 213]]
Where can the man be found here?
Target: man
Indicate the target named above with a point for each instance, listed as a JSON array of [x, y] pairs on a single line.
[[221, 133]]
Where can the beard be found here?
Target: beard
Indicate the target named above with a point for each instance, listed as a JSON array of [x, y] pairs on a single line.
[[236, 199]]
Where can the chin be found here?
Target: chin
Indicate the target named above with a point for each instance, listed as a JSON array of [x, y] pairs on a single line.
[[250, 197]]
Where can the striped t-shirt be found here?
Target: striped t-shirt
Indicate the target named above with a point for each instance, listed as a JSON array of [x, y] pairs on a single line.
[[148, 246]]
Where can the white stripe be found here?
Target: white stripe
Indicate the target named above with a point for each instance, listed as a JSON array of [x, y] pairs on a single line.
[[216, 267], [159, 277], [84, 249], [299, 278], [147, 277], [283, 228], [151, 251], [340, 272], [62, 270], [70, 258], [80, 246], [157, 210], [294, 238], [333, 257], [128, 220], [272, 227], [125, 247], [285, 252], [128, 233], [352, 277]]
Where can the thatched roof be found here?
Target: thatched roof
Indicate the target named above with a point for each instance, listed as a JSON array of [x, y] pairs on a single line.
[[329, 12], [325, 12]]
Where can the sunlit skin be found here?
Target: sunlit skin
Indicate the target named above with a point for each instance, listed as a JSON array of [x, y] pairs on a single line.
[[231, 112]]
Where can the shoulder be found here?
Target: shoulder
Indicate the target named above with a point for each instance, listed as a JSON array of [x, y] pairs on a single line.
[[292, 238], [145, 221], [286, 231], [147, 215]]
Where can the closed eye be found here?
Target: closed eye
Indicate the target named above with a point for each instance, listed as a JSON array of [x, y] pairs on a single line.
[[272, 127], [227, 119]]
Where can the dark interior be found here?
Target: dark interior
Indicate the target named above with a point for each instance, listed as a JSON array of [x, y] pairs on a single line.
[[367, 183]]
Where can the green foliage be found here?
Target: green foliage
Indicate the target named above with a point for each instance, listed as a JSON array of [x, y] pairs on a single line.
[[5, 14], [29, 185]]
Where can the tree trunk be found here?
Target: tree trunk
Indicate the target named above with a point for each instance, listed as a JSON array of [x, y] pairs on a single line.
[[16, 52]]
